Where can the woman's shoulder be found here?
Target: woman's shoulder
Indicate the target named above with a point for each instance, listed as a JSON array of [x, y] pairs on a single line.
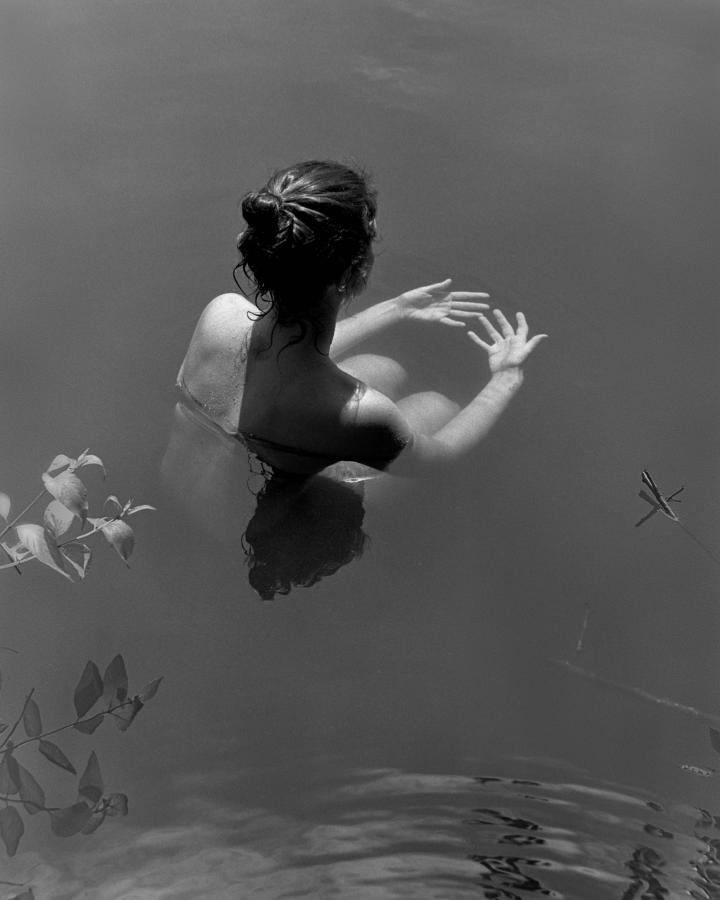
[[379, 428], [210, 372], [225, 316]]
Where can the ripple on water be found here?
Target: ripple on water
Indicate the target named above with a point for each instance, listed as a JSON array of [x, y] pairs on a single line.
[[386, 833], [580, 839]]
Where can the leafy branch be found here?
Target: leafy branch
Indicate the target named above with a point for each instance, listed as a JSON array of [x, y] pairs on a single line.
[[69, 505], [20, 789]]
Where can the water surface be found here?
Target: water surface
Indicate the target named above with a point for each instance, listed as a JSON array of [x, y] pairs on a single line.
[[372, 735]]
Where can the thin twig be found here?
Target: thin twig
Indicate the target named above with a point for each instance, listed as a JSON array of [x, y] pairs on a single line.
[[581, 636], [17, 721], [637, 692], [21, 514], [10, 556], [110, 711], [37, 806], [700, 544]]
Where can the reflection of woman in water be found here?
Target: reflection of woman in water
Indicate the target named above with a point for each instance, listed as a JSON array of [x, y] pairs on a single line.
[[294, 530], [304, 529], [268, 374]]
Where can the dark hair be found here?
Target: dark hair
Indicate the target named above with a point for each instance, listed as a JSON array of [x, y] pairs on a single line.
[[303, 530], [309, 228]]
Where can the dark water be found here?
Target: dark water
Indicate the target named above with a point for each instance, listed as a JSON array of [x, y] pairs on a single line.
[[399, 728]]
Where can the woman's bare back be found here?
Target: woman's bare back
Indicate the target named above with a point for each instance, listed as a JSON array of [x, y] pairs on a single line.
[[252, 385]]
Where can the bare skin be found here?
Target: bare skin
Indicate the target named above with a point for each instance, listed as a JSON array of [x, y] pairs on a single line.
[[250, 378]]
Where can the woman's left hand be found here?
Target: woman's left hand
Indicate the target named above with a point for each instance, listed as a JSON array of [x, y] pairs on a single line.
[[437, 303]]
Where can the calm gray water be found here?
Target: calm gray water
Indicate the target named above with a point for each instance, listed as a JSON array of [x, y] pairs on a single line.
[[398, 729]]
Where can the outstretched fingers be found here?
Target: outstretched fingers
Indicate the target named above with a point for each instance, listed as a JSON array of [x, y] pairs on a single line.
[[534, 341], [513, 343], [469, 300], [490, 328], [471, 313], [477, 340], [522, 326], [440, 286], [505, 326]]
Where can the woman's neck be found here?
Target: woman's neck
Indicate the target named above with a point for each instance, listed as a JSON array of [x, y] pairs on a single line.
[[311, 337]]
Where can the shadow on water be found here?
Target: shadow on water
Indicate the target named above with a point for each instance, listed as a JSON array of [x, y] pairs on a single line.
[[293, 530]]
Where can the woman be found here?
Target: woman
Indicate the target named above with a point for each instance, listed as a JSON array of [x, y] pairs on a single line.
[[267, 373]]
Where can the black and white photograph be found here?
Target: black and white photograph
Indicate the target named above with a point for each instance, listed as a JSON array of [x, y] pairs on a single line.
[[360, 450]]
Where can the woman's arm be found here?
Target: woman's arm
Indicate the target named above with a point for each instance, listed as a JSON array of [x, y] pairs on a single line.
[[354, 329], [432, 303], [507, 353]]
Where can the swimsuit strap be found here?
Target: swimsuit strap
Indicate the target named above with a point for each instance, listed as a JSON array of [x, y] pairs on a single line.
[[246, 436]]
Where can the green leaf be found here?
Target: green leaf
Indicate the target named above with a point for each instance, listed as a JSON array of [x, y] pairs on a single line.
[[150, 689], [31, 792], [32, 723], [89, 689], [5, 504], [88, 726], [70, 820], [715, 739], [69, 490], [91, 782], [42, 545], [61, 461], [57, 518], [11, 829], [88, 459], [125, 716], [115, 681], [8, 784], [117, 805], [120, 536], [55, 755], [78, 556]]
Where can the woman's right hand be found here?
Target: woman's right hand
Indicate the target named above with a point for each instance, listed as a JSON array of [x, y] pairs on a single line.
[[510, 347]]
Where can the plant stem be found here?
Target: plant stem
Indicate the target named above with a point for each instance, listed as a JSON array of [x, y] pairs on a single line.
[[16, 565], [88, 533], [17, 721], [31, 802], [9, 556], [10, 525], [110, 711], [21, 514], [79, 537]]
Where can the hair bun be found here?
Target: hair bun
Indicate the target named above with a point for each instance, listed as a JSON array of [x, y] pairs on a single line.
[[262, 209]]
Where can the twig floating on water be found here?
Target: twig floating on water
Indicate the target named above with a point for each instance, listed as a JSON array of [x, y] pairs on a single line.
[[637, 692]]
